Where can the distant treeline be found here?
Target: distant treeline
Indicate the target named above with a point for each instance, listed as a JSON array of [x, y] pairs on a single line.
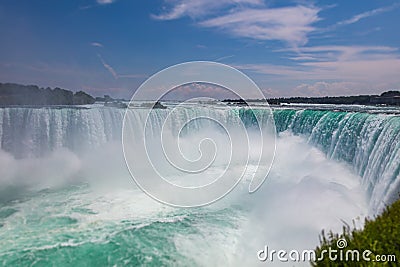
[[16, 94], [391, 98]]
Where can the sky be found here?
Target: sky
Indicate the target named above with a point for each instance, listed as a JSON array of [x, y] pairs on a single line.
[[289, 48]]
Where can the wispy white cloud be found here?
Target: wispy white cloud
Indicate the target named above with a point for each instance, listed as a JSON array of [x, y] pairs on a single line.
[[117, 76], [374, 70], [324, 88], [368, 14], [133, 76], [105, 2], [108, 67], [373, 67], [85, 7], [175, 9], [96, 44], [302, 58], [223, 58], [288, 24], [289, 72], [368, 31], [341, 88], [341, 53], [249, 18], [200, 46], [256, 20]]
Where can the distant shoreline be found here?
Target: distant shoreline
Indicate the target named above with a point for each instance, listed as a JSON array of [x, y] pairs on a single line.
[[16, 95], [390, 98]]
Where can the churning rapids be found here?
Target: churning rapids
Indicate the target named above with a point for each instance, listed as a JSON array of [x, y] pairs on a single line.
[[66, 196]]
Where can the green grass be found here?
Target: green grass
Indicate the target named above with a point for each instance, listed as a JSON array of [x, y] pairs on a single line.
[[381, 236]]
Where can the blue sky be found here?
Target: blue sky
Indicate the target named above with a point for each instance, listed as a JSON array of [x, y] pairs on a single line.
[[287, 47]]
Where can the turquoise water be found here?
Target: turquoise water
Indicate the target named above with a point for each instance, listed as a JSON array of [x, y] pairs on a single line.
[[70, 203], [64, 227]]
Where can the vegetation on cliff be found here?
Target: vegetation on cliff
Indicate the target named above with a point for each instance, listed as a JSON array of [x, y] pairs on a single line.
[[16, 94], [381, 236]]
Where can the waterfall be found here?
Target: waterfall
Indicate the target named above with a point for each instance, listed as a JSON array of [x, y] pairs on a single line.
[[30, 132], [369, 143]]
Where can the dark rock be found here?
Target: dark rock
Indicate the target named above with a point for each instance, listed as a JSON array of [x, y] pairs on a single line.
[[156, 105], [391, 94]]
